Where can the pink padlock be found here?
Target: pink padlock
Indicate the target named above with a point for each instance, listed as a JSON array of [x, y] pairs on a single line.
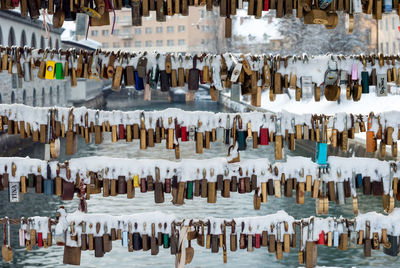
[[354, 72], [21, 237]]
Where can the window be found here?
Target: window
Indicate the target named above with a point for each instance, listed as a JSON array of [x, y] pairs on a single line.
[[127, 31], [170, 29], [381, 25], [116, 32], [181, 42], [393, 24], [115, 45], [159, 29], [203, 13], [138, 31], [104, 32], [105, 45], [149, 44], [387, 48], [387, 24], [381, 47], [159, 43], [148, 30], [138, 43], [394, 47], [203, 28], [127, 43], [95, 33], [181, 28], [170, 43]]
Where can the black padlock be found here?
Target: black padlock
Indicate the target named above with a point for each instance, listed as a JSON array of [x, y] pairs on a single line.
[[391, 247]]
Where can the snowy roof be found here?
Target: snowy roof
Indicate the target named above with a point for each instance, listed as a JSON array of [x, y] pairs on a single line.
[[256, 29], [15, 14], [68, 38]]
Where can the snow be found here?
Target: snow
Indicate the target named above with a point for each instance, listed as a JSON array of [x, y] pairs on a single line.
[[255, 29], [142, 222], [368, 102], [340, 169]]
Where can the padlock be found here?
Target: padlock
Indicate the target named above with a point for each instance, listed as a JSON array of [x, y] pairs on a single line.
[[322, 147], [311, 247], [391, 246], [13, 191], [278, 140], [367, 240], [6, 250]]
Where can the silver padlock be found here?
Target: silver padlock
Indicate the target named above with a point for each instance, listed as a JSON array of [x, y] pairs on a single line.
[[381, 85], [192, 132], [235, 92], [307, 87], [13, 192], [27, 66], [227, 137], [47, 144], [353, 236], [340, 193]]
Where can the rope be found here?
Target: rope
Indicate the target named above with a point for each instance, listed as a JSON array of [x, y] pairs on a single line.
[[113, 25], [45, 25]]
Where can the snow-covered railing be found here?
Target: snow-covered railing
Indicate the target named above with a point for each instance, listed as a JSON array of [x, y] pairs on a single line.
[[100, 11], [311, 77], [190, 178], [46, 124], [154, 230]]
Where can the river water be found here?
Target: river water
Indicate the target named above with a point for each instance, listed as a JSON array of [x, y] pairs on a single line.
[[236, 206]]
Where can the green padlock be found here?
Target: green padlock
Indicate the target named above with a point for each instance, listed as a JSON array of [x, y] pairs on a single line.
[[31, 180], [59, 71]]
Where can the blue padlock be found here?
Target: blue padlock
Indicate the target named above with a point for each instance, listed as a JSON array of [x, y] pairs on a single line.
[[48, 187], [321, 153], [387, 6], [324, 3], [124, 239], [138, 82], [358, 180], [335, 238], [242, 140]]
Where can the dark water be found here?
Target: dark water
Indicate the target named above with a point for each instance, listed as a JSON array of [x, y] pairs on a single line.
[[236, 206]]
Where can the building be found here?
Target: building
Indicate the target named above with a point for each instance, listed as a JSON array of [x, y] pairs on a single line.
[[255, 36], [18, 31], [388, 38], [193, 33]]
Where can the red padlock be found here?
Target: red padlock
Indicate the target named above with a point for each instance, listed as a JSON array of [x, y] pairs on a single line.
[[264, 136], [108, 5], [177, 130], [184, 134], [266, 5], [258, 241], [40, 239], [143, 185], [167, 186], [321, 239], [121, 132], [242, 187], [15, 3]]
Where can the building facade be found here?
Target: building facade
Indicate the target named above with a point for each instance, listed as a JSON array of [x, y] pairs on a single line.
[[388, 38], [193, 33], [18, 31]]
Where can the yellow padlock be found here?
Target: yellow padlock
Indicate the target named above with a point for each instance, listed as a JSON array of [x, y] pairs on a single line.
[[50, 68], [136, 181]]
